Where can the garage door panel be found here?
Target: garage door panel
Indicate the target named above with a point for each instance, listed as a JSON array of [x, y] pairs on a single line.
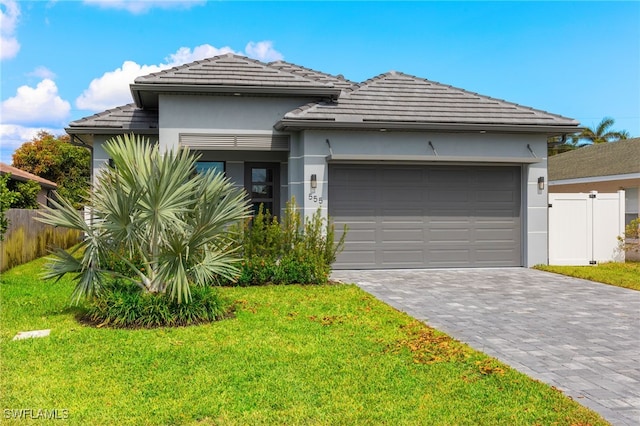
[[360, 235], [409, 235], [495, 196], [394, 177], [450, 196], [366, 197], [450, 176], [446, 235], [452, 257], [354, 258], [491, 257], [397, 215], [427, 216], [406, 258]]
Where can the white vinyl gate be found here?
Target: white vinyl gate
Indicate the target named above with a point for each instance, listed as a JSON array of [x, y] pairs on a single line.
[[584, 228]]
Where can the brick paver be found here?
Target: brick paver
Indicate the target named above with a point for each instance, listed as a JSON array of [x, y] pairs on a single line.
[[579, 336]]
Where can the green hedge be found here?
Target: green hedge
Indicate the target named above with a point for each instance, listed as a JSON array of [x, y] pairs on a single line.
[[287, 251]]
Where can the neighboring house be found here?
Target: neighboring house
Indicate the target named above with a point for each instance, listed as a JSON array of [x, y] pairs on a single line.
[[46, 186], [605, 167], [423, 174]]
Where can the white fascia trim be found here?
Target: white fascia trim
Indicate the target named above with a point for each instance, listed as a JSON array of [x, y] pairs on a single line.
[[595, 179]]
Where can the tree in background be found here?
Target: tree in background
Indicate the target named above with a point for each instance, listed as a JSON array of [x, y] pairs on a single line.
[[7, 197], [602, 133], [56, 159]]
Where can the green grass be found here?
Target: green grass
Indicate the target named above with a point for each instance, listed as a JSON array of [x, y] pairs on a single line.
[[310, 355], [625, 275]]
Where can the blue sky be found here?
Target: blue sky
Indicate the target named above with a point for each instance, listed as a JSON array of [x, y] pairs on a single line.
[[63, 60]]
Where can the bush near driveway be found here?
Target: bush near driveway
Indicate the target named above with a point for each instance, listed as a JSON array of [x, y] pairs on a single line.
[[287, 251]]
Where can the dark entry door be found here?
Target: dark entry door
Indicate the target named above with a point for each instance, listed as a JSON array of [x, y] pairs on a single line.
[[262, 182]]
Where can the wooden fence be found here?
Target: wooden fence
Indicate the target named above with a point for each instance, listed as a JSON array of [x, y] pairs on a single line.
[[27, 239]]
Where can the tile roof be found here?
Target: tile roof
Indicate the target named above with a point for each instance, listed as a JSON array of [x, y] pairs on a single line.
[[23, 176], [604, 159], [232, 70], [126, 117], [337, 81], [398, 97]]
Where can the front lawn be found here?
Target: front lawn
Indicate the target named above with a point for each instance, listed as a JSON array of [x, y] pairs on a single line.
[[619, 274], [292, 355]]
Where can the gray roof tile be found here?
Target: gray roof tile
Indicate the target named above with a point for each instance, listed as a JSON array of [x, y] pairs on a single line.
[[126, 117], [233, 70], [603, 159], [398, 97], [337, 81]]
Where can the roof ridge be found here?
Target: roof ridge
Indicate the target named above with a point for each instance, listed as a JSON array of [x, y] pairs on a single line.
[[246, 59], [338, 77], [369, 81], [197, 62]]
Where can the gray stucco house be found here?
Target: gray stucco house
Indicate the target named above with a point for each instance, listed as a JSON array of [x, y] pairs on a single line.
[[425, 175]]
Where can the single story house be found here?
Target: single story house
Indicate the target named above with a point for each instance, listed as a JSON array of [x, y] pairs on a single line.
[[46, 186], [425, 175], [605, 167]]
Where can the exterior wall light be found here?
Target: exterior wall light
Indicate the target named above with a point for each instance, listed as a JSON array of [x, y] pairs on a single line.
[[541, 183], [314, 181]]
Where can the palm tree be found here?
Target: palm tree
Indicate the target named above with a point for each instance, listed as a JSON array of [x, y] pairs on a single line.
[[151, 206], [602, 133]]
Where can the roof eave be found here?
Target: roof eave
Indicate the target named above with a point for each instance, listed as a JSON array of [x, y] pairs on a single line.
[[108, 130], [156, 88], [551, 130]]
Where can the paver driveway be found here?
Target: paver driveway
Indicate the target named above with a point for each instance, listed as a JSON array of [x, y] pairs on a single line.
[[579, 336]]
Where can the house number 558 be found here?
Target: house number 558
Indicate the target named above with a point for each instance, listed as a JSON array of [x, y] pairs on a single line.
[[315, 198]]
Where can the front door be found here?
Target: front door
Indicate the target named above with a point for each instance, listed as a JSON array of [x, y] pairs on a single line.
[[262, 182]]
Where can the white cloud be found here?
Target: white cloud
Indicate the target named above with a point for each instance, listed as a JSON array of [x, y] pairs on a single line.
[[42, 72], [112, 88], [185, 55], [263, 51], [39, 105], [9, 14], [13, 136], [143, 6]]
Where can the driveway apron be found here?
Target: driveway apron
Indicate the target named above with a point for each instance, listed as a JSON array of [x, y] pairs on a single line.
[[579, 336]]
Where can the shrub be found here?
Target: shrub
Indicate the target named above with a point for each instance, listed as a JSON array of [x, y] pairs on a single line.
[[631, 239], [287, 252], [121, 304], [151, 208]]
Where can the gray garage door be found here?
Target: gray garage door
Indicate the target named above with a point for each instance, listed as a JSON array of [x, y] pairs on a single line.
[[427, 216]]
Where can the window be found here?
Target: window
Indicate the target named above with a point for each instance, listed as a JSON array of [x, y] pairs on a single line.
[[204, 166]]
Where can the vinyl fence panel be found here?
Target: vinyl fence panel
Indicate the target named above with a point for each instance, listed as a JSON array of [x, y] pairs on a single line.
[[584, 228]]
